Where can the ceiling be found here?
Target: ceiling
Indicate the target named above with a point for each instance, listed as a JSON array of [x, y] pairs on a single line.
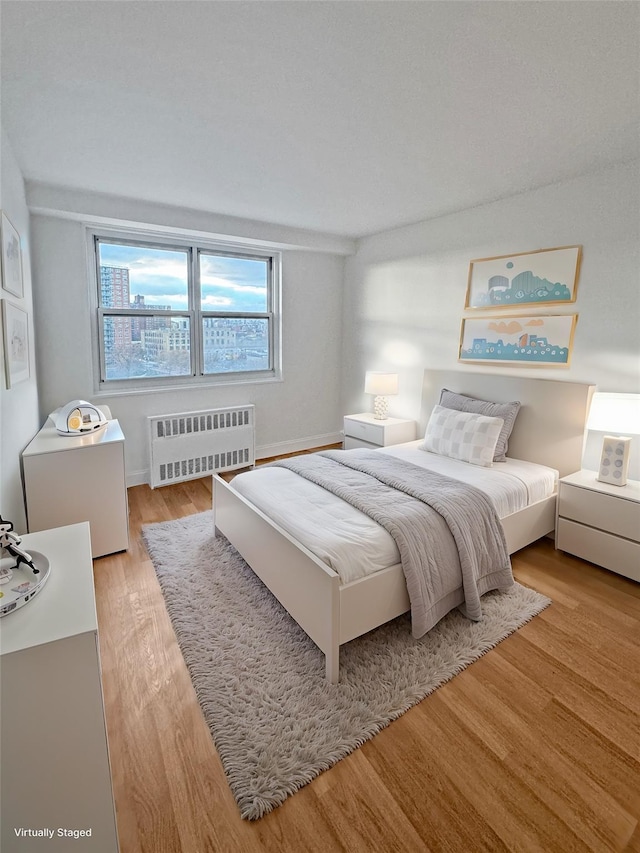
[[342, 117]]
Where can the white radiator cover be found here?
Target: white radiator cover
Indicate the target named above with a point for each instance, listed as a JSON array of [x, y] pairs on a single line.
[[188, 445]]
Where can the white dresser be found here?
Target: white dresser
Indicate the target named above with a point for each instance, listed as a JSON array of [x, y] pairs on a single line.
[[600, 522], [55, 760], [79, 478], [364, 430]]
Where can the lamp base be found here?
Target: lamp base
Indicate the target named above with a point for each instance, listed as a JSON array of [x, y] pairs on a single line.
[[614, 462], [380, 408]]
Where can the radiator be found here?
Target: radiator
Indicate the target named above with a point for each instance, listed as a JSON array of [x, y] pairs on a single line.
[[188, 445]]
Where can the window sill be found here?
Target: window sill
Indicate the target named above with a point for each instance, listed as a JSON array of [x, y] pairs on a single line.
[[124, 388]]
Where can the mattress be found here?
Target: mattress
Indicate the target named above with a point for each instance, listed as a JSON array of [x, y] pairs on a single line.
[[349, 541]]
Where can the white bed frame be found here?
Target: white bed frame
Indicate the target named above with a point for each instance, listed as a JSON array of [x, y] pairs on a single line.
[[549, 429]]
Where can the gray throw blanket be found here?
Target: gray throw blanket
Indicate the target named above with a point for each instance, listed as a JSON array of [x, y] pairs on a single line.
[[449, 536]]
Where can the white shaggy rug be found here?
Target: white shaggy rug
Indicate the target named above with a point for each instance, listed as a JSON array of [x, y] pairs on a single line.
[[275, 720]]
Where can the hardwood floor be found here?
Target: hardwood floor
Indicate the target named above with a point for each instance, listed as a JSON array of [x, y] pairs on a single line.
[[535, 747]]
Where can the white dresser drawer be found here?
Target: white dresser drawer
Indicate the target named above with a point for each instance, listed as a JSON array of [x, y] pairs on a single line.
[[616, 515], [373, 433], [596, 546]]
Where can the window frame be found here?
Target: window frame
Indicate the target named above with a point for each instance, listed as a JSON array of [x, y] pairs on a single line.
[[194, 247]]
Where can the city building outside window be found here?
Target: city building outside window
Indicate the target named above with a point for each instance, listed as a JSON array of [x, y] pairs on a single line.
[[174, 313]]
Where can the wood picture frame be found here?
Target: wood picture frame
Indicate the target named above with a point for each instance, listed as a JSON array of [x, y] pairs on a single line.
[[11, 258], [532, 340], [532, 279]]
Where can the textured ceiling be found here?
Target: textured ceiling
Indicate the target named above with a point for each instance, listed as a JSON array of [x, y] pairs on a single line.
[[342, 117]]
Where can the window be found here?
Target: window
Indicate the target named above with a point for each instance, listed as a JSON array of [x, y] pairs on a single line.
[[173, 313]]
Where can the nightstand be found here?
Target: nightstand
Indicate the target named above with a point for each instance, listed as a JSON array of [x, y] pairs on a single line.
[[366, 431], [600, 522]]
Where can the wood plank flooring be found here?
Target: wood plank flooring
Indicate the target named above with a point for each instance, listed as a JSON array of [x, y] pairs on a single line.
[[535, 747]]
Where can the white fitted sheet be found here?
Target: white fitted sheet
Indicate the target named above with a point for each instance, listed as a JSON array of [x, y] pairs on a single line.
[[352, 543]]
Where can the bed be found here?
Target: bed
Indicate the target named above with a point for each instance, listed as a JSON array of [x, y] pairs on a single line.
[[548, 431]]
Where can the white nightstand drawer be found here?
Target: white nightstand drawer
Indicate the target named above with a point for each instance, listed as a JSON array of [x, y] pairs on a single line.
[[350, 443], [618, 555], [373, 433], [378, 433], [618, 516]]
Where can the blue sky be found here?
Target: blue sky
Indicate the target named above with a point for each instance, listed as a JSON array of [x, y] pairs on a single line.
[[231, 284]]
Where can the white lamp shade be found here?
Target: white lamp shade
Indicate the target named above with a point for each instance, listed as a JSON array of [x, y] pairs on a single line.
[[616, 413], [380, 384]]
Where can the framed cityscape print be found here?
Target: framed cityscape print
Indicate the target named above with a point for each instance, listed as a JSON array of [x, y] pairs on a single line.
[[15, 328], [11, 258], [540, 278], [536, 341]]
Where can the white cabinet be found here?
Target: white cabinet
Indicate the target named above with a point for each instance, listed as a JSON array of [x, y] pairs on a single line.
[[79, 478], [55, 761], [364, 430], [600, 522]]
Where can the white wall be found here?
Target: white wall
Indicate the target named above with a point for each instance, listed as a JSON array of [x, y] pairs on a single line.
[[403, 301], [301, 411], [18, 405], [405, 289]]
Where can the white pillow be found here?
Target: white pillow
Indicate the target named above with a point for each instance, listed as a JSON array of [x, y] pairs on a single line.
[[463, 435]]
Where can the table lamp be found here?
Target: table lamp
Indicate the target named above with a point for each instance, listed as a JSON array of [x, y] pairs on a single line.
[[381, 385], [614, 414]]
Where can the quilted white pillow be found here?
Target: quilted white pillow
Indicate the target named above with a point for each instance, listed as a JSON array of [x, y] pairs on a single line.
[[463, 435]]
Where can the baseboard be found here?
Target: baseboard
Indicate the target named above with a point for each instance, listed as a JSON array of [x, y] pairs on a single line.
[[138, 478], [266, 451]]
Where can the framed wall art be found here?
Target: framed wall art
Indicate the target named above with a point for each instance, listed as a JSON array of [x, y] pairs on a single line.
[[540, 278], [537, 341], [11, 258], [15, 327]]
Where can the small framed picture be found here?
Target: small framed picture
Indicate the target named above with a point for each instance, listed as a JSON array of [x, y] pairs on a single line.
[[15, 327], [11, 258]]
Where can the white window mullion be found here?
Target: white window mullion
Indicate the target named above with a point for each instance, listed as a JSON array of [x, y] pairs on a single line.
[[197, 355], [103, 366]]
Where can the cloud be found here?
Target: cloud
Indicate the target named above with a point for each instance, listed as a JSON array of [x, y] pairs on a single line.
[[208, 280], [175, 301], [161, 276], [510, 328], [535, 322], [216, 302]]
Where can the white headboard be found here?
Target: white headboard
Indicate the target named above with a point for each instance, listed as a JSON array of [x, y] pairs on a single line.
[[550, 427]]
